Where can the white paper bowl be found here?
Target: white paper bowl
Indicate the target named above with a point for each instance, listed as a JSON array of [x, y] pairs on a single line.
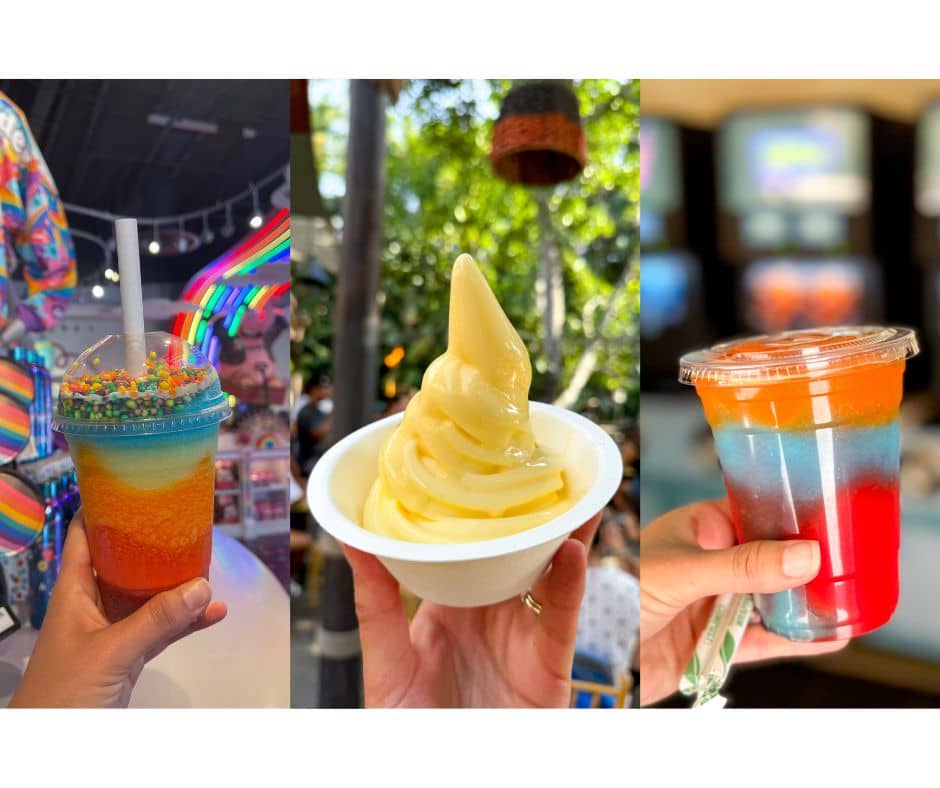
[[467, 574]]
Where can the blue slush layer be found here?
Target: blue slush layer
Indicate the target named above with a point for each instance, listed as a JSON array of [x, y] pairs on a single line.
[[805, 462], [788, 614], [179, 439]]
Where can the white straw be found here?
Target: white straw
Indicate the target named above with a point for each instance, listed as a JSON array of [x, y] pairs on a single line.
[[132, 301]]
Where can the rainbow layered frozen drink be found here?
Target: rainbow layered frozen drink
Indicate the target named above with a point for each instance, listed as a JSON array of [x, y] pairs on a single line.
[[143, 442], [807, 432]]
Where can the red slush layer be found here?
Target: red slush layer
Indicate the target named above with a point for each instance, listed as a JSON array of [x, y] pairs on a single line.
[[859, 537], [119, 603]]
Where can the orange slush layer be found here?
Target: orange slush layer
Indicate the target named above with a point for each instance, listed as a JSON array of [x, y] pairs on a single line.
[[147, 539], [864, 396]]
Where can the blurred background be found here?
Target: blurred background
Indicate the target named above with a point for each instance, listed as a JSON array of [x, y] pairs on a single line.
[[391, 181], [769, 205]]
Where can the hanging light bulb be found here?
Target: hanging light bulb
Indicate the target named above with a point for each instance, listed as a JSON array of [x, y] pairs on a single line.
[[109, 271], [207, 235], [154, 246], [256, 219], [228, 229], [181, 238], [97, 291]]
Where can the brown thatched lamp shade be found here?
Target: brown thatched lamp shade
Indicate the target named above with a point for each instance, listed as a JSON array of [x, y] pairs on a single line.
[[538, 140]]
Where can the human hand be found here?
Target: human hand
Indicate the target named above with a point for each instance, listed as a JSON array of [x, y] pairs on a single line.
[[83, 660], [501, 655], [688, 556]]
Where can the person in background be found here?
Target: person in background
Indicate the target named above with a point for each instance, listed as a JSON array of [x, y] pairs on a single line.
[[625, 503], [398, 404], [628, 496], [313, 423], [609, 621], [33, 231]]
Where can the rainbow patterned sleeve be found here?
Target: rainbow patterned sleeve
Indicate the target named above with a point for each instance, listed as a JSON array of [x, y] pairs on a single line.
[[34, 224]]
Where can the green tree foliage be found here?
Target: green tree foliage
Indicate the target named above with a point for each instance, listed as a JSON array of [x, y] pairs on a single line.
[[442, 199]]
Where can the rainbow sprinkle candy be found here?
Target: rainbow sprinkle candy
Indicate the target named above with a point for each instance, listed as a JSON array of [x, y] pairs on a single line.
[[165, 389]]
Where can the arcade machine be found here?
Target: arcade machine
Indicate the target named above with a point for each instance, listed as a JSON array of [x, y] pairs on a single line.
[[927, 232], [909, 631], [678, 271], [676, 242], [813, 211]]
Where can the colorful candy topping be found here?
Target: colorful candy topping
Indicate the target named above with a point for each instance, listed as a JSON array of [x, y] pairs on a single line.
[[167, 388]]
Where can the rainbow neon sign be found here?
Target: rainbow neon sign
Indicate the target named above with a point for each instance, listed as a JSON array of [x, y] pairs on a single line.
[[221, 304]]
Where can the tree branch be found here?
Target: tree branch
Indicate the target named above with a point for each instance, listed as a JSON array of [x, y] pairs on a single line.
[[550, 294], [306, 199], [588, 361], [604, 106]]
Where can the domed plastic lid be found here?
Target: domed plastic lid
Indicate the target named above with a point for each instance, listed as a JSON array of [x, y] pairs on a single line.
[[175, 388], [774, 358]]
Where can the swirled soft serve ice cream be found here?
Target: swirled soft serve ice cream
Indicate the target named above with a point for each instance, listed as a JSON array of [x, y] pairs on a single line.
[[464, 464]]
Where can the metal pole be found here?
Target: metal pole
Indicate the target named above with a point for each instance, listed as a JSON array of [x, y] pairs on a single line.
[[354, 368]]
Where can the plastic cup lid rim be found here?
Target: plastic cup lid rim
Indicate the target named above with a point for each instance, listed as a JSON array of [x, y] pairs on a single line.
[[770, 358]]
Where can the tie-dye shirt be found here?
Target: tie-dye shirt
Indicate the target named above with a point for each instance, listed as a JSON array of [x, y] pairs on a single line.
[[33, 229]]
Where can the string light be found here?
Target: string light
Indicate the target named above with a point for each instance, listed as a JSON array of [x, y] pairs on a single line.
[[181, 238], [256, 219], [154, 246], [97, 291], [228, 229], [207, 235]]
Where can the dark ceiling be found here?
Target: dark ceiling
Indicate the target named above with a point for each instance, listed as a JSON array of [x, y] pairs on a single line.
[[105, 145]]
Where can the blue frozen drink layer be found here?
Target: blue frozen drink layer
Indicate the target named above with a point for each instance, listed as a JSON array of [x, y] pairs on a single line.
[[802, 462]]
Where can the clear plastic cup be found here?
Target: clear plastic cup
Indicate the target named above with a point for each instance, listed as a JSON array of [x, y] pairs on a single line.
[[143, 442], [808, 436]]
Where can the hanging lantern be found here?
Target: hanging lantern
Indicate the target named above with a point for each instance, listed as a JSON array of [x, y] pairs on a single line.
[[538, 140]]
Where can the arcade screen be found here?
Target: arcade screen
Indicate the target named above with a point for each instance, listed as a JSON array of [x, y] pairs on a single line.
[[795, 159], [659, 176], [781, 294], [667, 284], [927, 166]]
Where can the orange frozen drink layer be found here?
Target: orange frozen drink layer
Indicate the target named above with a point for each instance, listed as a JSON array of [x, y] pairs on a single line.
[[149, 511], [464, 465], [144, 449]]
